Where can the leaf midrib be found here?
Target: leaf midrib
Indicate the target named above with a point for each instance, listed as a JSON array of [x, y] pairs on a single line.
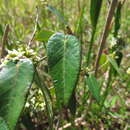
[[64, 58]]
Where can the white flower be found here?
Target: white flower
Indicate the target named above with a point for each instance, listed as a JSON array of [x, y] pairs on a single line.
[[128, 71]]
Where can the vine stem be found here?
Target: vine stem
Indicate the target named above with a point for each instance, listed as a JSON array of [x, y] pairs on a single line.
[[105, 33]]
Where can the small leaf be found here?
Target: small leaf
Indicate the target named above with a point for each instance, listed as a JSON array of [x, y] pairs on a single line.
[[117, 19], [80, 22], [64, 64], [103, 59], [57, 13], [3, 125], [15, 81], [95, 8], [94, 87], [43, 35], [114, 64], [1, 30]]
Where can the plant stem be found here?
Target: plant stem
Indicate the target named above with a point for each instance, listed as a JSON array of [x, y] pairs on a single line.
[[35, 28], [90, 48], [62, 7], [62, 11], [4, 41], [107, 86], [47, 97], [105, 33], [79, 7]]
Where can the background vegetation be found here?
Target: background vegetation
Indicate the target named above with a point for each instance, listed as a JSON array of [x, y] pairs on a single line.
[[101, 102]]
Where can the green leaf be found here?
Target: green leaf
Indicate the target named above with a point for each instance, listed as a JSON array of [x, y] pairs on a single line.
[[72, 104], [1, 30], [43, 35], [64, 65], [47, 97], [15, 81], [57, 13], [94, 87], [95, 8], [3, 125], [114, 64], [117, 19], [80, 23]]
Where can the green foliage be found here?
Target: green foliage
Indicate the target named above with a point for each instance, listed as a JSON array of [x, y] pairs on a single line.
[[117, 19], [3, 125], [95, 102], [72, 105], [95, 8], [58, 14], [15, 81], [114, 64], [94, 87], [80, 23], [64, 64], [43, 35], [1, 30], [47, 97]]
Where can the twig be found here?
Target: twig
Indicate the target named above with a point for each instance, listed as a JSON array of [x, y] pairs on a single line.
[[77, 121], [123, 2], [62, 6], [105, 33], [79, 7], [35, 28], [4, 40], [109, 1], [41, 60]]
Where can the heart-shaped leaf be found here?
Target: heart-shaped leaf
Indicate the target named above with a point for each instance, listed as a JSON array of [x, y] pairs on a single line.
[[64, 65], [15, 81]]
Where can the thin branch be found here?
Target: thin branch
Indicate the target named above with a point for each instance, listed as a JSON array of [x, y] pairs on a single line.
[[78, 121], [109, 2], [41, 59], [79, 7], [105, 33], [123, 2], [35, 28], [4, 41]]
